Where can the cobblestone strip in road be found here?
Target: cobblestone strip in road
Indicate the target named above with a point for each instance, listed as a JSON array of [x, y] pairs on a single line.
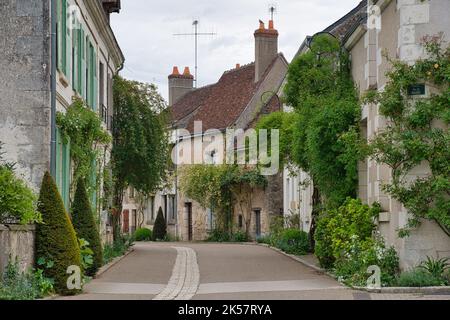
[[185, 278]]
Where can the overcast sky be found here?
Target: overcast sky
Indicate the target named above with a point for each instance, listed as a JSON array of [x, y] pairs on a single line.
[[145, 31]]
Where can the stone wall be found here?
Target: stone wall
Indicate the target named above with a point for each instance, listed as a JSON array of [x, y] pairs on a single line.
[[17, 241], [25, 86]]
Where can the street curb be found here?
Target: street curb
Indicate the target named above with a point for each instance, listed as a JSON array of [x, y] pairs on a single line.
[[108, 266], [298, 259], [386, 290], [406, 290]]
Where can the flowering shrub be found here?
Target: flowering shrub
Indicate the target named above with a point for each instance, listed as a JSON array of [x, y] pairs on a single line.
[[351, 268], [345, 243]]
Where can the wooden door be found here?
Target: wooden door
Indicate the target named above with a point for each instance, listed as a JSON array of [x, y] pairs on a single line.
[[126, 221], [190, 222], [258, 223]]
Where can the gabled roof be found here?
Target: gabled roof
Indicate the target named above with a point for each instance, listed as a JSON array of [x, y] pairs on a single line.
[[341, 27], [219, 105]]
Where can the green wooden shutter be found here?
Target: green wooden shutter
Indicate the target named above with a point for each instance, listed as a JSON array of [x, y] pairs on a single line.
[[58, 160], [94, 184], [75, 56], [83, 64], [91, 70], [79, 59], [88, 71], [64, 37], [66, 174], [59, 34], [68, 43], [95, 81]]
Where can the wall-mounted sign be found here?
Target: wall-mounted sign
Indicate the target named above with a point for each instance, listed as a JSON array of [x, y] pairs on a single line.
[[416, 90]]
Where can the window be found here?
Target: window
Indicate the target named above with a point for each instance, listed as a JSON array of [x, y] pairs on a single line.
[[152, 209], [101, 94], [257, 222], [211, 222], [172, 207], [110, 102], [165, 206], [63, 172], [133, 220], [62, 34], [132, 193]]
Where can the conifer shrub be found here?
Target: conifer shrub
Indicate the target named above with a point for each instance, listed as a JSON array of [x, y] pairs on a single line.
[[85, 226], [56, 240], [160, 228]]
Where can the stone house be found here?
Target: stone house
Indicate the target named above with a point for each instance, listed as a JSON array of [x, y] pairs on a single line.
[[85, 55], [394, 27], [239, 98]]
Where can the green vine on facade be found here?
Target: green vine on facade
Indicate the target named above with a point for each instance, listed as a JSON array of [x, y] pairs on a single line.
[[82, 127], [417, 135], [221, 188], [323, 97]]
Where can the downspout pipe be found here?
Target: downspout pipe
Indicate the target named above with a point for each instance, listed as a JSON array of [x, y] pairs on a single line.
[[53, 17]]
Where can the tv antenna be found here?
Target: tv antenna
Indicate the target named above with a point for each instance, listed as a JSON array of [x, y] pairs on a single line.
[[196, 34], [272, 10]]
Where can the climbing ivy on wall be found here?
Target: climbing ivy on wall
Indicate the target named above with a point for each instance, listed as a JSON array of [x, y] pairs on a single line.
[[221, 188], [322, 93], [417, 134], [83, 128]]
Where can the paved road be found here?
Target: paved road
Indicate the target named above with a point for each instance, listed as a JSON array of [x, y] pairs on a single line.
[[184, 271]]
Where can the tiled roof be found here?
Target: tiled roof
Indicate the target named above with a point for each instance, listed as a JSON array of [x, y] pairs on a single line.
[[219, 105], [189, 103], [341, 27]]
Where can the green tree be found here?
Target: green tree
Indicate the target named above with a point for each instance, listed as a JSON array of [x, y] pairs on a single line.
[[85, 226], [322, 93], [140, 142], [160, 227], [285, 122], [56, 240]]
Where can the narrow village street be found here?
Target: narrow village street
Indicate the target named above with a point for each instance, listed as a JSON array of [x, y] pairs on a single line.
[[185, 271], [225, 150]]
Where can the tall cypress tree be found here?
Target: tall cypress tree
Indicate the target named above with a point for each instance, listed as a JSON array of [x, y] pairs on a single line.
[[56, 240], [160, 228], [85, 226]]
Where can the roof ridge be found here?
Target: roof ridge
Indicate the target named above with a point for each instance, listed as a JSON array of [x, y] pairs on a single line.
[[351, 13], [241, 67]]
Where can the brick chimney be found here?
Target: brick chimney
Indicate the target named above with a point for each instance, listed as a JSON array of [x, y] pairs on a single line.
[[179, 84], [266, 48]]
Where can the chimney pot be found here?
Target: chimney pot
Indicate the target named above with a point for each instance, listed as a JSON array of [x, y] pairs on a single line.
[[238, 65], [271, 25], [261, 25], [187, 71], [175, 71], [179, 84]]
